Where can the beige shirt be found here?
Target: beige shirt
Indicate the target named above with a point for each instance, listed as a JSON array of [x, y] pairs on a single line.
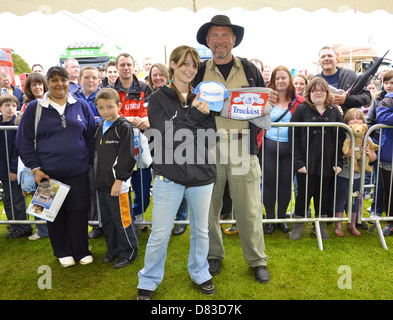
[[236, 79]]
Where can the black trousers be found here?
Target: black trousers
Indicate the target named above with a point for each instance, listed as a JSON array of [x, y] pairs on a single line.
[[118, 225], [315, 191], [18, 204], [271, 169], [69, 232], [387, 192]]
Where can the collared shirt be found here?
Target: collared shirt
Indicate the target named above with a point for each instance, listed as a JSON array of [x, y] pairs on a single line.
[[74, 87], [236, 78], [45, 100]]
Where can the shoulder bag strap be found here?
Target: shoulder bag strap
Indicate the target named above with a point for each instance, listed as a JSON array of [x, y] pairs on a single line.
[[37, 120]]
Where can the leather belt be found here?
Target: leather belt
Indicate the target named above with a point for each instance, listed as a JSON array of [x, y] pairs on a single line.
[[229, 136]]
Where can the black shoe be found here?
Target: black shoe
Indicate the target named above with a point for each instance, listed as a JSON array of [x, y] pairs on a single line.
[[269, 228], [15, 233], [95, 233], [261, 274], [121, 263], [362, 226], [144, 294], [214, 266], [207, 288], [108, 258], [179, 229], [388, 230], [283, 227]]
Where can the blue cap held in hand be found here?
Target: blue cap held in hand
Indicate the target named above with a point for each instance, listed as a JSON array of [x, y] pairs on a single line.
[[214, 93]]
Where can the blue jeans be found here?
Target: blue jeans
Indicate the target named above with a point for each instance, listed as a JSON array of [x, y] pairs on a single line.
[[141, 180], [182, 213], [167, 197], [342, 194]]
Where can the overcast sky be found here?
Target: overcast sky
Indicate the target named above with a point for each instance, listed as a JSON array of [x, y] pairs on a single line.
[[291, 38]]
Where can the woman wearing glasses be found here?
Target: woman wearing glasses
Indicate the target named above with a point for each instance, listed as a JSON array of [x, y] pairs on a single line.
[[317, 155], [63, 150]]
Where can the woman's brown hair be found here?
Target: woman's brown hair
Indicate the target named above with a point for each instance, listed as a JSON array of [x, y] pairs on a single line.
[[272, 81], [178, 56], [321, 84], [33, 77]]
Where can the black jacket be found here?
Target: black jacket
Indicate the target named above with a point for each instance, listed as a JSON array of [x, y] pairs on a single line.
[[114, 154], [346, 79], [12, 154], [331, 153], [183, 160], [255, 79]]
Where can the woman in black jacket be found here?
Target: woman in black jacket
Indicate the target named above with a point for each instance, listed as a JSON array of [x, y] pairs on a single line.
[[312, 162], [183, 129]]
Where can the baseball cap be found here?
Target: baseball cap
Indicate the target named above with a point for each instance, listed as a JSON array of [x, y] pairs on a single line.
[[214, 93]]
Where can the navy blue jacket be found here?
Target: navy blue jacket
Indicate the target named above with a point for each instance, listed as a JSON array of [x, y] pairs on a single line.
[[90, 100], [346, 79], [385, 116], [20, 96], [61, 152], [12, 153]]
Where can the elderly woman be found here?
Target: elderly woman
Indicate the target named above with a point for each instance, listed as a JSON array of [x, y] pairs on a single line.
[[277, 168], [63, 151]]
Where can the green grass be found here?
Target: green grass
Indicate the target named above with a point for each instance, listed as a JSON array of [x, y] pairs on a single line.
[[299, 270]]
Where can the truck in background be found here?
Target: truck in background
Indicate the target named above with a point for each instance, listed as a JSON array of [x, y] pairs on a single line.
[[6, 63], [90, 53], [7, 66], [359, 58]]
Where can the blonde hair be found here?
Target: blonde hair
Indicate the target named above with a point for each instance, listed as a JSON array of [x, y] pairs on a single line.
[[88, 68], [354, 113]]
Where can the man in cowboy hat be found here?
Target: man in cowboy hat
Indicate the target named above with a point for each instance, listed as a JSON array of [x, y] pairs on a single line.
[[220, 35]]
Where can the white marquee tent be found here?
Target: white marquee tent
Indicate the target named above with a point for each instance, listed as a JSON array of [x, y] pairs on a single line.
[[22, 7]]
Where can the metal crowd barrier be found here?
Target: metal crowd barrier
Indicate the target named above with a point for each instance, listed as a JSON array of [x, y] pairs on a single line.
[[376, 220], [317, 219]]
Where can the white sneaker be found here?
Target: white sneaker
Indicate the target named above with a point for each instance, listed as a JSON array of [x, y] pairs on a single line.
[[35, 236], [86, 260], [67, 261]]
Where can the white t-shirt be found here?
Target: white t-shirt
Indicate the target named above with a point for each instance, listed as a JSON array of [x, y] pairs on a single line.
[[58, 107]]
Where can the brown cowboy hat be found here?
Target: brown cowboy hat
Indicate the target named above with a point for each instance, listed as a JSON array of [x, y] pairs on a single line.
[[220, 20]]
